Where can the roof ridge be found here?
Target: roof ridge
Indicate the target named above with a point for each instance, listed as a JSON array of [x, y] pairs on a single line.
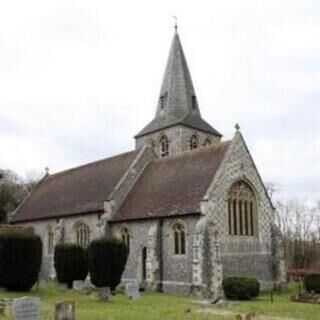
[[88, 164]]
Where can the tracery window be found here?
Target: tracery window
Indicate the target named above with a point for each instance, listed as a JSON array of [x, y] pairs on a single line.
[[50, 240], [82, 235], [194, 142], [164, 147], [125, 236], [242, 210], [179, 238]]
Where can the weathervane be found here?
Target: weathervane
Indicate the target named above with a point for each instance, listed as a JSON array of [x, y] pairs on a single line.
[[175, 23]]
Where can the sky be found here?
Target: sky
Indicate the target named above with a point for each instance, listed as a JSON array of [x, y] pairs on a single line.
[[78, 79]]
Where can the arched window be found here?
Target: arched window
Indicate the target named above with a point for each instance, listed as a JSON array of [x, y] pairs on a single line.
[[125, 236], [242, 210], [179, 238], [50, 240], [82, 235], [164, 147], [194, 143], [207, 142]]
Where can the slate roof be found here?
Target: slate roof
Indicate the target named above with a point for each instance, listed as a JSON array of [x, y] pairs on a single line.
[[174, 185], [75, 191], [178, 103]]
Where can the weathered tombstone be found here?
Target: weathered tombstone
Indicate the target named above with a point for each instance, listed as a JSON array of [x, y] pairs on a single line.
[[132, 290], [78, 285], [26, 308], [104, 293], [65, 310]]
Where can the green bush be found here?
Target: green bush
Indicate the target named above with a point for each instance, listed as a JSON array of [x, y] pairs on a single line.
[[241, 288], [312, 282], [107, 258], [70, 263], [20, 260]]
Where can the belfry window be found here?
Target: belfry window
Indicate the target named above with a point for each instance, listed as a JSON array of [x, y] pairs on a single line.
[[163, 101], [164, 147], [242, 210], [82, 235], [179, 238], [194, 102], [125, 237], [194, 142]]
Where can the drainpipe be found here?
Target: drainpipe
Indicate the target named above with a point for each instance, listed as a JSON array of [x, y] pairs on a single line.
[[160, 255]]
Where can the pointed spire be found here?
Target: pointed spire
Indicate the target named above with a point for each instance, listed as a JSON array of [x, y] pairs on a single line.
[[177, 103]]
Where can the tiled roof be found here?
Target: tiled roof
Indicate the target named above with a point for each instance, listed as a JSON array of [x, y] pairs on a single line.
[[78, 190], [174, 185]]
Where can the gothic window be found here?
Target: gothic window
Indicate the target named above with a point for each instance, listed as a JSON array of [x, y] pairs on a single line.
[[179, 238], [50, 240], [207, 142], [194, 142], [164, 147], [125, 236], [82, 235], [242, 210], [194, 102]]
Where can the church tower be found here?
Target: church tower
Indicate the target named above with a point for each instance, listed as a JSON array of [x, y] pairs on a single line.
[[178, 125]]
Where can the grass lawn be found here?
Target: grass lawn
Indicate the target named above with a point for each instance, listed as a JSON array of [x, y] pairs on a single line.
[[160, 306]]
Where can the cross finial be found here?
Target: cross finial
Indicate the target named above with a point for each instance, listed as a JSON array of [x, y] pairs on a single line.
[[175, 23], [47, 170], [237, 127]]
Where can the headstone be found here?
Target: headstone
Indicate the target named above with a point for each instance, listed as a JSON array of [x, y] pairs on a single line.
[[104, 293], [132, 290], [65, 310], [26, 308], [78, 285]]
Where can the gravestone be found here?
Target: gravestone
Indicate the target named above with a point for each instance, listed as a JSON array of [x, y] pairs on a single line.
[[26, 308], [104, 293], [78, 285], [62, 286], [132, 290], [43, 284], [65, 310]]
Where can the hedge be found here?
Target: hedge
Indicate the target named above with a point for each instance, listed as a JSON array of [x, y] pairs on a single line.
[[107, 258], [20, 260], [312, 282], [70, 263], [241, 288]]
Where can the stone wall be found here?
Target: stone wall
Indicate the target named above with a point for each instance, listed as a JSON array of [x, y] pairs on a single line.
[[241, 255], [179, 139]]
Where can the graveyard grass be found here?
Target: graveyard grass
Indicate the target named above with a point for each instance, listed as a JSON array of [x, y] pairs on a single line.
[[153, 306]]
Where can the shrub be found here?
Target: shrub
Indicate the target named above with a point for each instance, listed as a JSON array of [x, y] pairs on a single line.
[[241, 288], [107, 258], [20, 260], [70, 263], [312, 282]]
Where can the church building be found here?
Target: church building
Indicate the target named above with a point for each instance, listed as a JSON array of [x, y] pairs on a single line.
[[191, 207]]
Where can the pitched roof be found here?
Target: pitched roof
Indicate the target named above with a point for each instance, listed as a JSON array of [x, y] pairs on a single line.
[[78, 190], [174, 185], [177, 103]]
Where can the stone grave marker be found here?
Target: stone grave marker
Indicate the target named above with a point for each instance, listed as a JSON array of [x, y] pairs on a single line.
[[78, 285], [43, 284], [132, 290], [65, 310], [105, 293], [26, 308]]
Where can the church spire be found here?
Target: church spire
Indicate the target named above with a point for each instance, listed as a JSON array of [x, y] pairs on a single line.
[[177, 103]]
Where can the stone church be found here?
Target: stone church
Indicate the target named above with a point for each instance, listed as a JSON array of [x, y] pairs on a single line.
[[191, 207]]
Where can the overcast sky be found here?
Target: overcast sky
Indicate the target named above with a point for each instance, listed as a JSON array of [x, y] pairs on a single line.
[[78, 79]]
